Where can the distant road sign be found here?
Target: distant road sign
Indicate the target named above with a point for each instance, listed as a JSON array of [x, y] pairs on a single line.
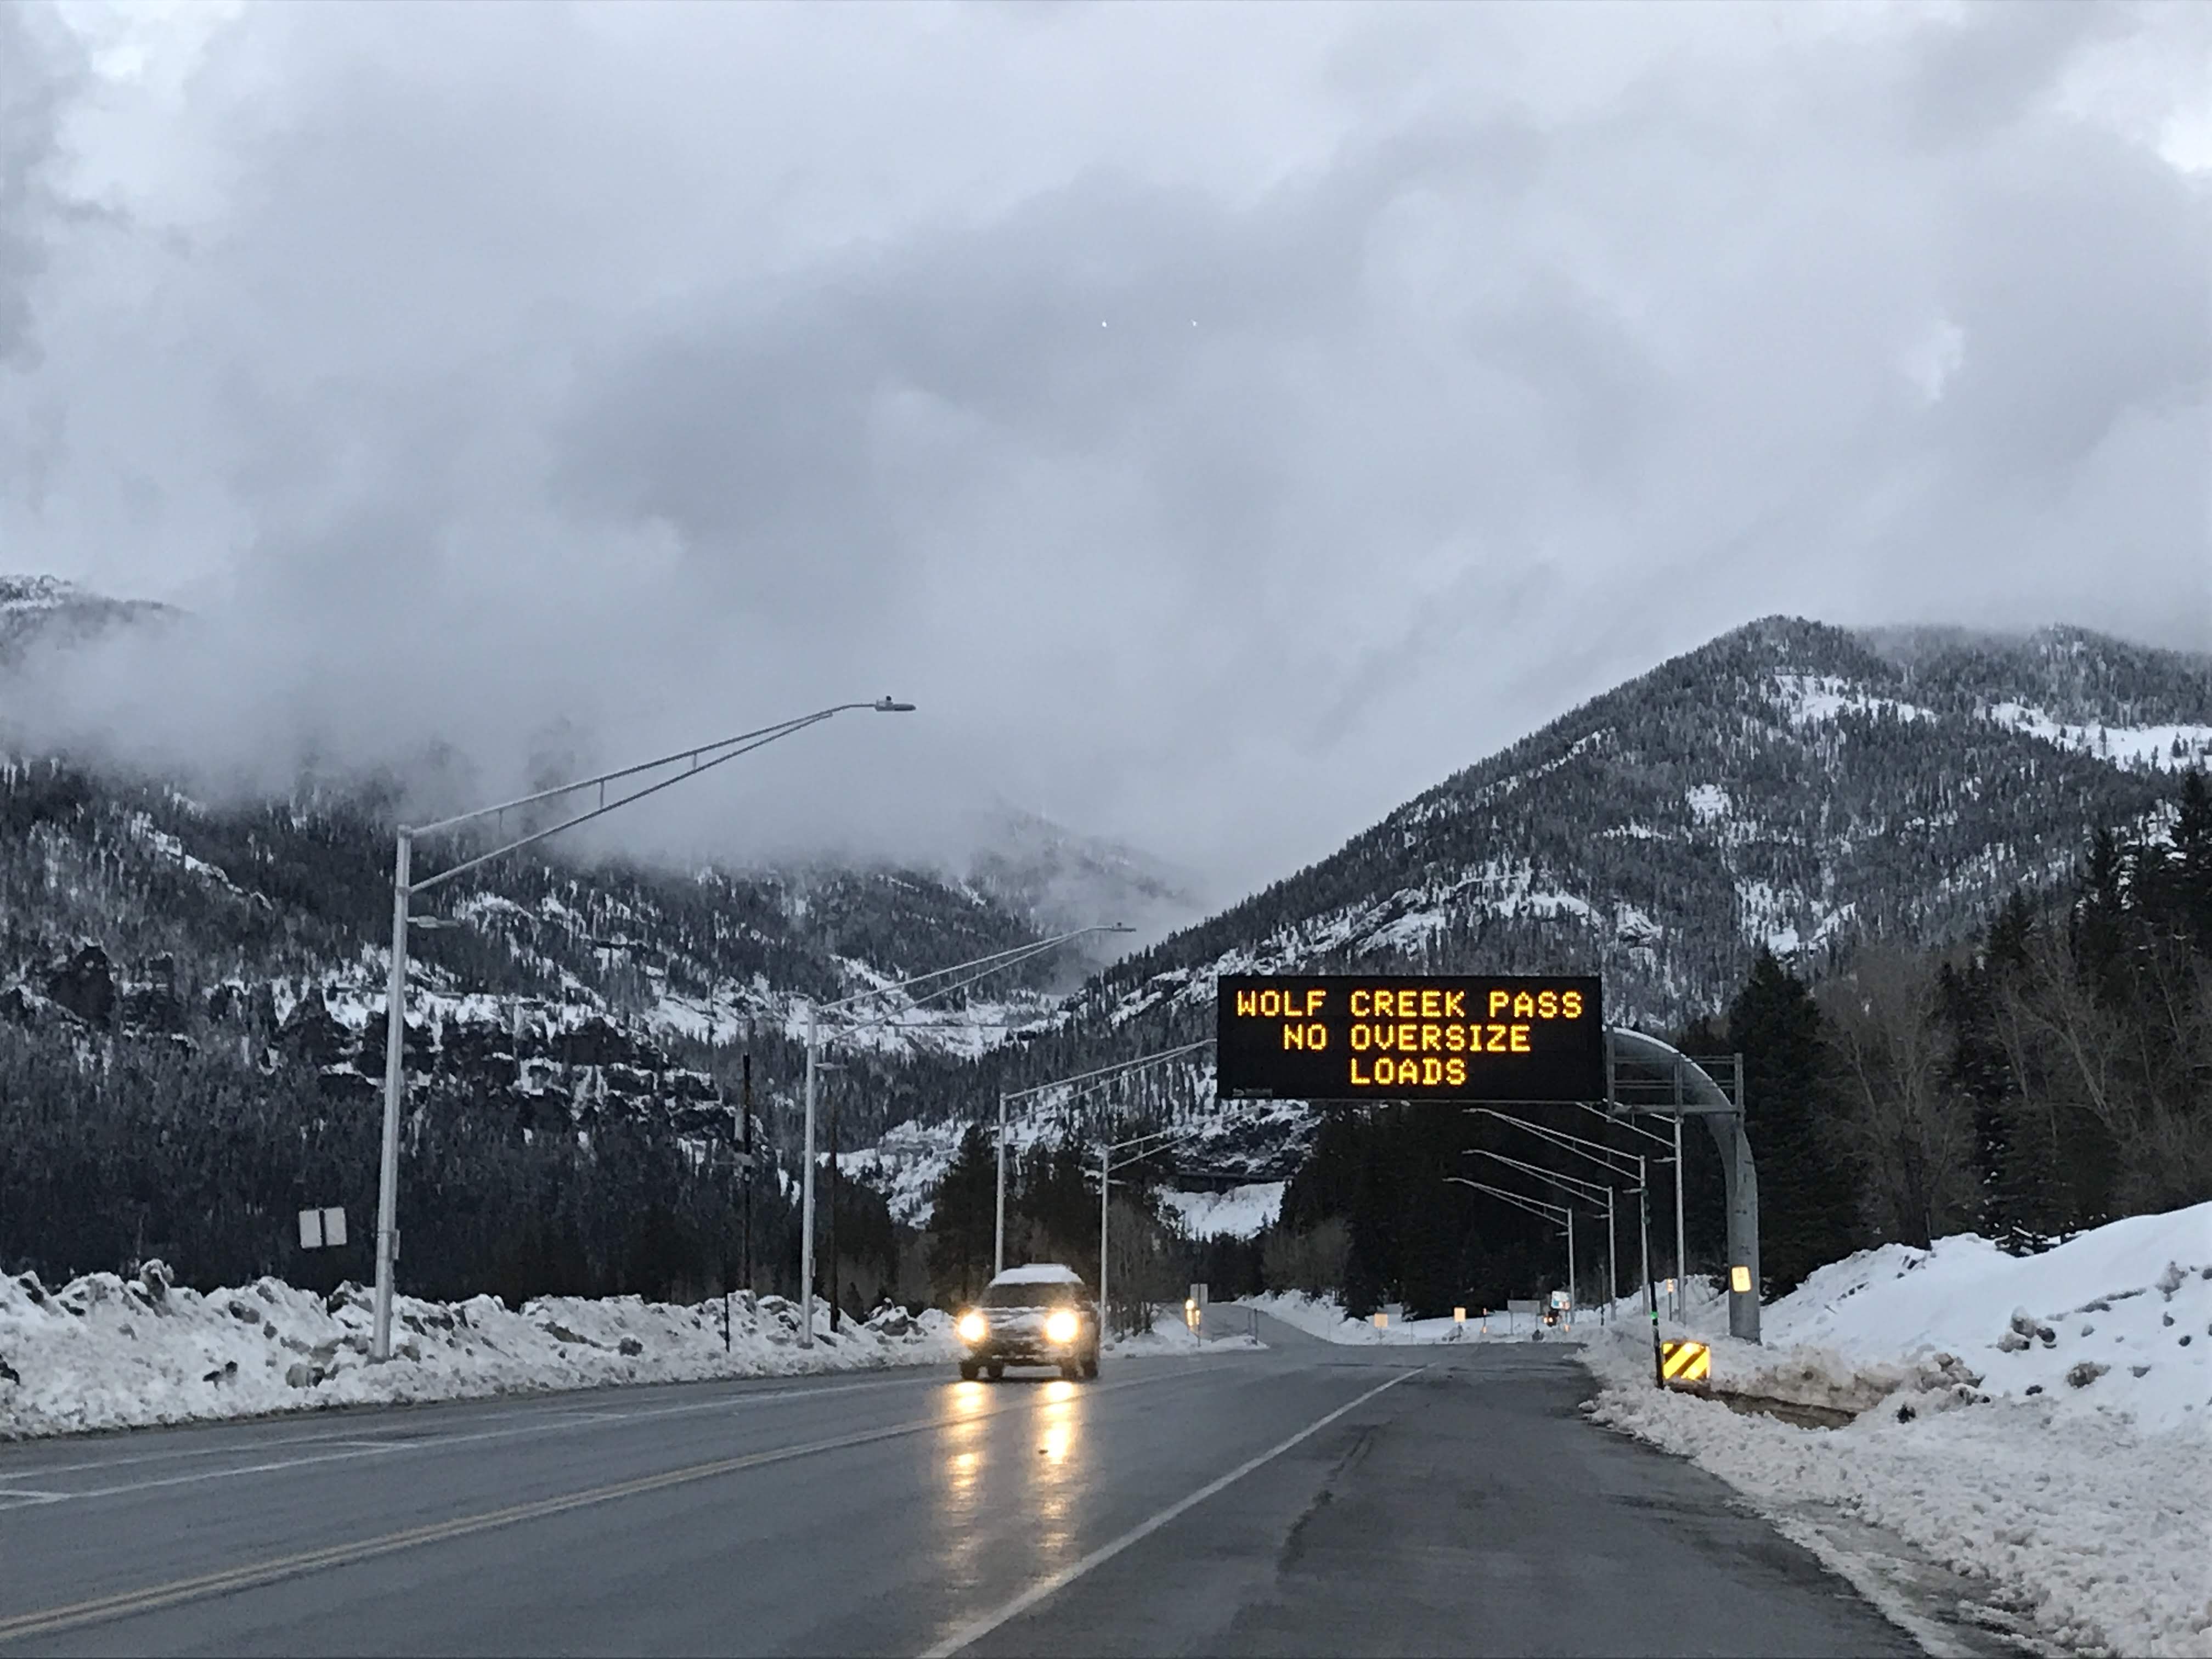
[[321, 1228], [1439, 1037], [1685, 1362]]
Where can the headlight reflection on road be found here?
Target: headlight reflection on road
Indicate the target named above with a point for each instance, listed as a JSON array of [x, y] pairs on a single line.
[[1054, 1473], [960, 1501], [970, 1398]]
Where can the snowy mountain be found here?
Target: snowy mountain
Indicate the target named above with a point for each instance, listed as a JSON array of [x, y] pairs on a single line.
[[1789, 784], [46, 610]]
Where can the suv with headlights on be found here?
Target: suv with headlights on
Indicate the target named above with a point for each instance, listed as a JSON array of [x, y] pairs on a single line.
[[1040, 1314]]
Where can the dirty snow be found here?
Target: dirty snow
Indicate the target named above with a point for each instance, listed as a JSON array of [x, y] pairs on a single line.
[[106, 1352]]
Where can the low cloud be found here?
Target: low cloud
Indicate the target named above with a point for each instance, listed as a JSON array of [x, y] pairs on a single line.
[[1223, 424]]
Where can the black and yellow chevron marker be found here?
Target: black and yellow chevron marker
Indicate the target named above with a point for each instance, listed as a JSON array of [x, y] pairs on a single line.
[[1685, 1362]]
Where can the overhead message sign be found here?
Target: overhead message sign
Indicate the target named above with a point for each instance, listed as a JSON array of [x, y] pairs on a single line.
[[1348, 1037]]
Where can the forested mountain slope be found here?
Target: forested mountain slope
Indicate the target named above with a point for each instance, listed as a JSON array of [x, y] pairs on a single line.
[[1789, 784]]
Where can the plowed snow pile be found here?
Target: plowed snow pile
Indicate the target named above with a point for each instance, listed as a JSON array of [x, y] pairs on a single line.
[[105, 1352], [2042, 1425]]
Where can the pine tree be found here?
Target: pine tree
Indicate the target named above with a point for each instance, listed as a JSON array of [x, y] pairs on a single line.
[[963, 1219], [2190, 868], [1806, 1197], [1371, 1267]]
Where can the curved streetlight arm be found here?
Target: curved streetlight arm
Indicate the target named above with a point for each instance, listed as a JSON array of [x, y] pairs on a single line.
[[1010, 957], [1574, 1186], [1667, 1141], [1566, 1142], [1113, 1070], [1535, 1206], [696, 766], [404, 889], [989, 965]]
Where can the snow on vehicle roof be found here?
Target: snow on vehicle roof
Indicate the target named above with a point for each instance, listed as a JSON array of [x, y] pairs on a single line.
[[1039, 1273]]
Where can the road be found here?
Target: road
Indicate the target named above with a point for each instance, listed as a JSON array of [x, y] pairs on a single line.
[[1307, 1499]]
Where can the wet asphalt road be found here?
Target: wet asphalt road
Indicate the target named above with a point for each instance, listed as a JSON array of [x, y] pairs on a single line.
[[1308, 1499]]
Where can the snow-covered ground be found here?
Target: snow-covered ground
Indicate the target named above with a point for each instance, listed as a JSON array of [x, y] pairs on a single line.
[[1323, 1317], [1239, 1213], [2040, 1426], [105, 1352], [1169, 1334]]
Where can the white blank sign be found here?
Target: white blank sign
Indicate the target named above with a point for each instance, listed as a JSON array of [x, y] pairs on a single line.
[[319, 1228]]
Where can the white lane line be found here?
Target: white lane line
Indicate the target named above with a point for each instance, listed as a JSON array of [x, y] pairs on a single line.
[[968, 1634], [128, 1603], [545, 1416], [383, 1448], [408, 1440]]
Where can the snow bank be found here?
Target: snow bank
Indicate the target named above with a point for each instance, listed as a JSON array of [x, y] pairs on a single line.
[[106, 1352], [2127, 1307], [2042, 1425]]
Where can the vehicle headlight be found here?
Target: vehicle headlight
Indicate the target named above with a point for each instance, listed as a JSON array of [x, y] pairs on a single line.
[[1060, 1326], [973, 1327]]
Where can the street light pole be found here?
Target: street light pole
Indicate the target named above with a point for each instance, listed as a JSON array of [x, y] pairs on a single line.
[[992, 963], [1119, 1069], [1597, 1152], [1681, 1258], [1165, 1138], [405, 889], [1571, 1298], [395, 1087]]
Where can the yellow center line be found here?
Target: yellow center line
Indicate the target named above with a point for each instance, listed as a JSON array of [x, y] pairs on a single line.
[[127, 1603]]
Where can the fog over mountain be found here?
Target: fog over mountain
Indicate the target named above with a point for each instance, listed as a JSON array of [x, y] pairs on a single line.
[[1222, 426]]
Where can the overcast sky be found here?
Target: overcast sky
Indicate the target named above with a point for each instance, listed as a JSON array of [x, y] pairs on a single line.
[[1223, 420]]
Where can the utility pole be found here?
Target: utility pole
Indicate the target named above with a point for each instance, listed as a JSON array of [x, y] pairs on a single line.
[[725, 1258], [1650, 1291], [747, 1256], [833, 1298], [1571, 1298], [1105, 1186], [998, 1235], [807, 1196], [996, 961]]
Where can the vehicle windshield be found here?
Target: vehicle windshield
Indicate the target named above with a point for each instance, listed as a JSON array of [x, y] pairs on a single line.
[[1041, 1294]]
